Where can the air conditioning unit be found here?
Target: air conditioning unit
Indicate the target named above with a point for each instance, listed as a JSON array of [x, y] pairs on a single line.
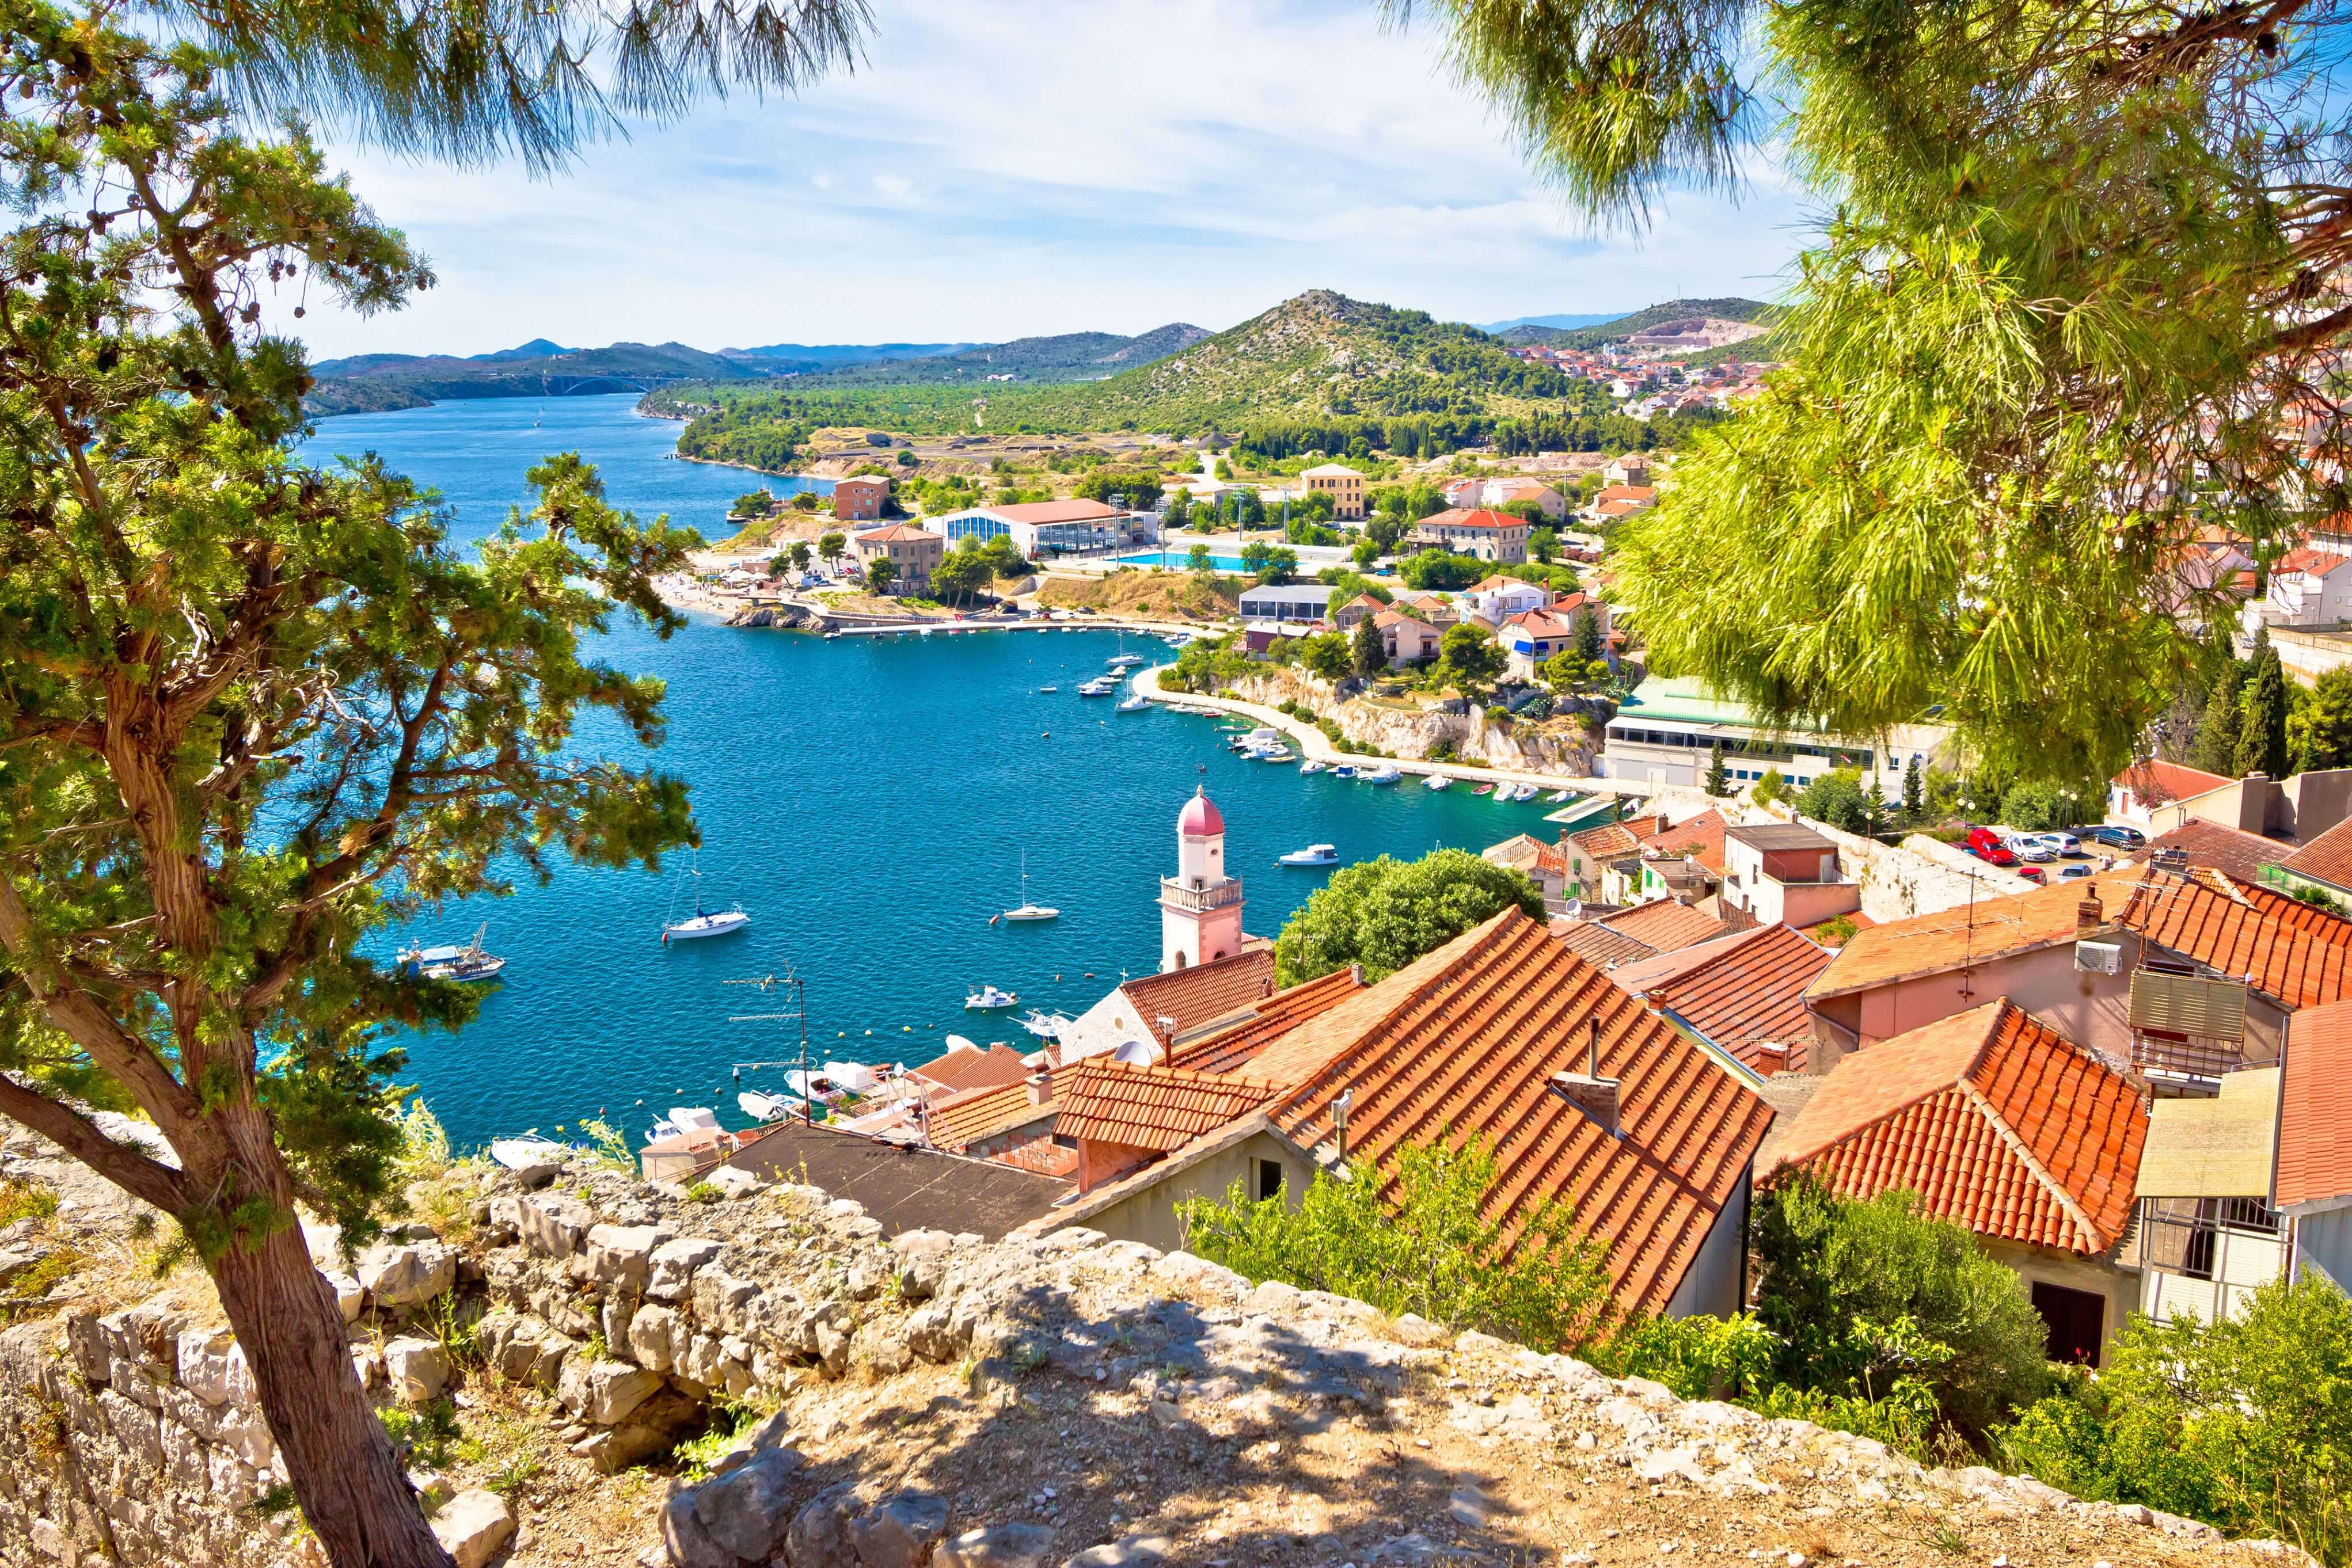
[[2099, 958]]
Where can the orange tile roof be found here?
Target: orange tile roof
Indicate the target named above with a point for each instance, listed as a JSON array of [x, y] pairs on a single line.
[[2328, 858], [1699, 837], [1206, 992], [896, 533], [1159, 1108], [1612, 839], [2285, 948], [2318, 562], [2314, 1132], [970, 1068], [1466, 1039], [1598, 944], [1930, 944], [1997, 1121], [959, 1121], [1744, 993], [1455, 517], [2153, 781], [1235, 1046], [1666, 924], [2242, 854]]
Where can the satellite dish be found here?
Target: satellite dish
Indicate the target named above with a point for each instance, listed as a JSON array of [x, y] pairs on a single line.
[[1135, 1053]]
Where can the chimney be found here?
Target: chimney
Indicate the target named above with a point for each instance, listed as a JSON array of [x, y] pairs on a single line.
[[1587, 1090], [2089, 915], [1041, 1089]]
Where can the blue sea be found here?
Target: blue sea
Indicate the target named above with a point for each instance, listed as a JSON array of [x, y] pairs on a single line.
[[867, 801]]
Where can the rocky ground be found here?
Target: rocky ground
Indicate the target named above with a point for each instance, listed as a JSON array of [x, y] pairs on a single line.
[[586, 1370]]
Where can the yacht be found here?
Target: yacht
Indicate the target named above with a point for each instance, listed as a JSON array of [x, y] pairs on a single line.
[[1438, 782], [1386, 773], [1100, 686], [1343, 770], [1313, 854], [1558, 797], [468, 964], [703, 922], [1307, 767], [1275, 754], [1135, 704], [1028, 909], [694, 1123], [989, 999], [1046, 1025]]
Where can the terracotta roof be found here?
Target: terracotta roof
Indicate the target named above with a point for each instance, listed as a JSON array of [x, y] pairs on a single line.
[[1542, 623], [2314, 1132], [2240, 853], [1497, 579], [1519, 851], [1399, 618], [1236, 1046], [1666, 924], [1930, 944], [1700, 837], [2328, 858], [968, 1067], [897, 534], [1744, 993], [1206, 992], [1612, 839], [1626, 493], [1597, 944], [1455, 517], [1997, 1121], [1159, 1108], [2288, 950], [2153, 781], [2316, 562], [959, 1121], [1465, 1040]]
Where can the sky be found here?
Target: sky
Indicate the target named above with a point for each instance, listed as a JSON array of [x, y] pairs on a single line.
[[993, 172]]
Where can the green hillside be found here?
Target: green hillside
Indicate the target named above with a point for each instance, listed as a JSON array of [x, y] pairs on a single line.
[[1731, 309], [371, 384], [1065, 357]]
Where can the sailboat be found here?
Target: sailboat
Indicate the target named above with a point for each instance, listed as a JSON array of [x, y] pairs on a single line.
[[468, 963], [1028, 911], [703, 922]]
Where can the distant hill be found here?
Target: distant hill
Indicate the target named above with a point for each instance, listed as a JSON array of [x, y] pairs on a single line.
[[1067, 357], [821, 357], [368, 383], [1499, 328], [1619, 327]]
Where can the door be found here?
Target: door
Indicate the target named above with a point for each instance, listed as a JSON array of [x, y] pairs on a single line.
[[2075, 1321]]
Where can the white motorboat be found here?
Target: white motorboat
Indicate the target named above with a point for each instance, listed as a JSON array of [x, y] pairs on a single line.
[[989, 999], [703, 922], [1028, 910], [1046, 1025], [1307, 767], [1313, 854], [1438, 782], [1386, 773], [1274, 754], [696, 1123], [1558, 797], [522, 1153], [1041, 690], [1135, 704], [467, 964], [771, 1107], [1100, 686]]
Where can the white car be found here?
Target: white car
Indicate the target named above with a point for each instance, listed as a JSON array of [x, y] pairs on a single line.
[[2066, 844], [2030, 847]]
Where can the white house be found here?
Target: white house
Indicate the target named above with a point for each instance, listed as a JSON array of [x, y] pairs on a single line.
[[1496, 599], [2309, 586], [1040, 529], [1290, 601]]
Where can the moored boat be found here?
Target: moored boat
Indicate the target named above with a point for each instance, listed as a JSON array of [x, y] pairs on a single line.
[[1438, 782], [1482, 788], [1386, 773], [527, 1150], [1313, 854], [1135, 704], [703, 922], [989, 999]]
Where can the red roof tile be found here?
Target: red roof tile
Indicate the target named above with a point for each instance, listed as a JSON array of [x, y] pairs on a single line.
[[1612, 839], [2314, 1132], [1597, 944], [1997, 1121], [1666, 924], [2286, 949], [959, 1121], [2242, 854], [1455, 517], [1232, 1048], [1206, 992], [1966, 932], [1466, 1039], [2154, 781], [1159, 1108], [968, 1067], [1744, 993], [2328, 858], [2316, 562], [1699, 837]]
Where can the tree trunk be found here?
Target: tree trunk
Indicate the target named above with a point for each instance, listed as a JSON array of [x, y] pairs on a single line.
[[340, 1461]]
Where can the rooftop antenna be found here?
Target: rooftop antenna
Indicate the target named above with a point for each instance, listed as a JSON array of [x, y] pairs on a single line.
[[798, 1013]]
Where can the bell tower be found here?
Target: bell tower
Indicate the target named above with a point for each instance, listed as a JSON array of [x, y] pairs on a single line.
[[1199, 906]]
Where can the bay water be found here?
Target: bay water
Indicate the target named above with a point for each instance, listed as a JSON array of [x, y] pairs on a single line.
[[867, 801]]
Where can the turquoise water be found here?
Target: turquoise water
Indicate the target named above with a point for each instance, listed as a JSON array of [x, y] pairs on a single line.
[[1178, 559], [867, 801]]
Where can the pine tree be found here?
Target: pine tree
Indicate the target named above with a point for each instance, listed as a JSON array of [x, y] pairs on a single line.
[[2215, 747], [1718, 780], [1915, 792], [1371, 654], [1588, 641], [2262, 735]]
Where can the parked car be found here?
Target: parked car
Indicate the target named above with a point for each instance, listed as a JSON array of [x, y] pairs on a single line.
[[2073, 873], [2118, 836], [1986, 845], [2064, 844], [2030, 847], [2031, 873]]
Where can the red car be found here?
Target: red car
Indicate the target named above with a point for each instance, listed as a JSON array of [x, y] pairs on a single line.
[[1986, 845], [2031, 873]]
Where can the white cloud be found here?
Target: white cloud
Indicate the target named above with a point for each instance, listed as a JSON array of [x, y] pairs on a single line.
[[995, 171]]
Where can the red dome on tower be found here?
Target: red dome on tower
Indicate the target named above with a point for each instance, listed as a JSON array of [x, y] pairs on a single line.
[[1200, 818]]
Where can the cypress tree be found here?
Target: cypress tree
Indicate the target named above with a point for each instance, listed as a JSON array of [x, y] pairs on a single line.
[[2262, 734], [1915, 800], [2215, 748], [1718, 780]]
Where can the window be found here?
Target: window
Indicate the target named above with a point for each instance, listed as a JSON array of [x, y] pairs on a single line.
[[2074, 1319], [1269, 1180]]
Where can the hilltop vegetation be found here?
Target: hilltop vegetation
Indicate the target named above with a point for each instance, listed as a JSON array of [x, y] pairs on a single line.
[[371, 384], [1731, 309], [1067, 357]]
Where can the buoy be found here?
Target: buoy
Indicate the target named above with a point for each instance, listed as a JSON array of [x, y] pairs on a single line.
[[869, 1031], [905, 1029]]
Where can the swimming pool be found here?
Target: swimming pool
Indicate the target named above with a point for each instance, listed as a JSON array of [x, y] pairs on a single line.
[[1177, 559]]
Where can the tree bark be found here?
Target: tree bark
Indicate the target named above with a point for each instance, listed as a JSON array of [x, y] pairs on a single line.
[[340, 1458]]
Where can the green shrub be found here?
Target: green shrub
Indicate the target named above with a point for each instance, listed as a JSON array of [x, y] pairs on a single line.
[[1385, 913], [1418, 1244], [703, 1192], [2245, 1424]]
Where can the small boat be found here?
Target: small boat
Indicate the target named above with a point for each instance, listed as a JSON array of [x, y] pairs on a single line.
[[468, 964], [1098, 687], [1126, 661], [771, 1107], [1044, 1025], [1044, 689], [1438, 782], [1343, 770], [1135, 704], [520, 1154], [704, 922], [696, 1123], [1558, 797], [1386, 773], [1307, 767], [1275, 754], [1313, 854], [989, 999], [1524, 792], [1028, 910], [1482, 788]]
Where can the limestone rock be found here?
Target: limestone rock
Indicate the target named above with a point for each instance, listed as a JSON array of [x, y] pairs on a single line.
[[1013, 1545], [670, 1275], [603, 1391], [213, 1367], [473, 1525], [900, 1530], [403, 1274], [653, 1428], [652, 1338], [554, 1225], [749, 1510], [622, 1254], [418, 1369], [819, 1537], [734, 1182], [1131, 1551]]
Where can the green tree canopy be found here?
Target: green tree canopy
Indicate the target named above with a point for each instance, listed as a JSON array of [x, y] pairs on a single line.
[[1468, 656], [2320, 728], [1326, 654], [831, 544], [1384, 914], [1839, 798], [2263, 714], [1366, 650]]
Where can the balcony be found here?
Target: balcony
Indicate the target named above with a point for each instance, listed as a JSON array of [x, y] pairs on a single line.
[[1174, 894]]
